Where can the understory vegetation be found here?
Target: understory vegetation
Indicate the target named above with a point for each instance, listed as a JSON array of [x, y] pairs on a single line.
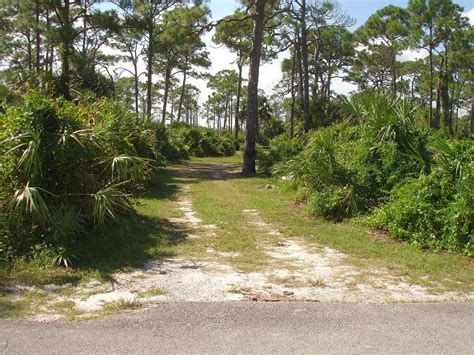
[[68, 168], [383, 164]]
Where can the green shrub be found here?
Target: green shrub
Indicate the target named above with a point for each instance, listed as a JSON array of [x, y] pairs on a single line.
[[435, 211], [350, 168], [171, 146], [66, 168], [201, 141], [281, 149]]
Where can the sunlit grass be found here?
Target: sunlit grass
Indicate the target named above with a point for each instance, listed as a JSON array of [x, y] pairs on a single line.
[[237, 158], [221, 202]]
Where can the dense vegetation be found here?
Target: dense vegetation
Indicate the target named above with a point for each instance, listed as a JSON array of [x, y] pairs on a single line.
[[383, 163], [95, 97], [70, 167]]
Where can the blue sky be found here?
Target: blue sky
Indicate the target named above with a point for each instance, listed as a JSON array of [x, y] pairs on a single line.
[[270, 73], [358, 9]]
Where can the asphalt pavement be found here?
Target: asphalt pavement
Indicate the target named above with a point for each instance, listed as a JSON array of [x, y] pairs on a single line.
[[254, 328]]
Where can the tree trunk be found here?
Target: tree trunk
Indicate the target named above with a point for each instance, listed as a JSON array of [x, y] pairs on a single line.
[[38, 37], [438, 97], [29, 51], [394, 74], [430, 120], [67, 33], [445, 93], [165, 96], [149, 81], [248, 167], [84, 28], [135, 77], [293, 99], [181, 96], [226, 109], [239, 93], [304, 54], [300, 68]]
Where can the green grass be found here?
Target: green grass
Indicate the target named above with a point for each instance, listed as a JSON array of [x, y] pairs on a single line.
[[151, 292], [237, 158], [220, 202], [148, 235]]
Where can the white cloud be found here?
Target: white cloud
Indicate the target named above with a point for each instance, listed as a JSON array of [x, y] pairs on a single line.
[[470, 15], [412, 54], [342, 87]]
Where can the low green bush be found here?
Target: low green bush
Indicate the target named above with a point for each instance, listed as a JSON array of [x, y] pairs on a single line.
[[383, 165], [349, 168], [435, 211], [281, 149], [66, 168], [201, 141]]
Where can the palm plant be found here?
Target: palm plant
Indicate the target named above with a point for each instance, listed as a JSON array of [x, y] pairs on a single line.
[[67, 166]]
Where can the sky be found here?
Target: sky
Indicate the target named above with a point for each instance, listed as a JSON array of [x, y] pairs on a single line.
[[270, 73]]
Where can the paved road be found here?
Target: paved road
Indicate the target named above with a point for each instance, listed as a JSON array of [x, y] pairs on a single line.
[[255, 328]]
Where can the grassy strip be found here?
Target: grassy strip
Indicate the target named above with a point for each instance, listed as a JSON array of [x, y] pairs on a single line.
[[221, 202], [237, 158]]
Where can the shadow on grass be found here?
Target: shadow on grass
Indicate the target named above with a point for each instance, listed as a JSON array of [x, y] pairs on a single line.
[[135, 239], [130, 243]]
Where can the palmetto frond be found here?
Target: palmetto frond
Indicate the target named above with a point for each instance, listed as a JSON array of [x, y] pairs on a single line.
[[107, 203], [28, 201], [127, 168], [27, 146]]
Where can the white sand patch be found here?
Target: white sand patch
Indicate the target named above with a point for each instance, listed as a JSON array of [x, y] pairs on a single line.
[[322, 274], [97, 301]]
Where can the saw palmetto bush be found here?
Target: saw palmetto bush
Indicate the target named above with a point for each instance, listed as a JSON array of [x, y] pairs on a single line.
[[382, 164], [201, 141], [67, 168], [350, 167]]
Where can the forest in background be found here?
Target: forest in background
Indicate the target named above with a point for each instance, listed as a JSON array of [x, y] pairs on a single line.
[[83, 129]]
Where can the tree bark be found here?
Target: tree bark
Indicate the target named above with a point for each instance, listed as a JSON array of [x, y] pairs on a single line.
[[304, 54], [165, 96], [149, 81], [248, 167], [293, 99], [181, 97], [135, 77], [431, 123], [67, 33], [300, 68], [239, 93], [38, 36]]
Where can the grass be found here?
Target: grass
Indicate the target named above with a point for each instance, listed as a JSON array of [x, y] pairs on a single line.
[[149, 235], [23, 304], [120, 306], [235, 159], [151, 292], [220, 202]]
